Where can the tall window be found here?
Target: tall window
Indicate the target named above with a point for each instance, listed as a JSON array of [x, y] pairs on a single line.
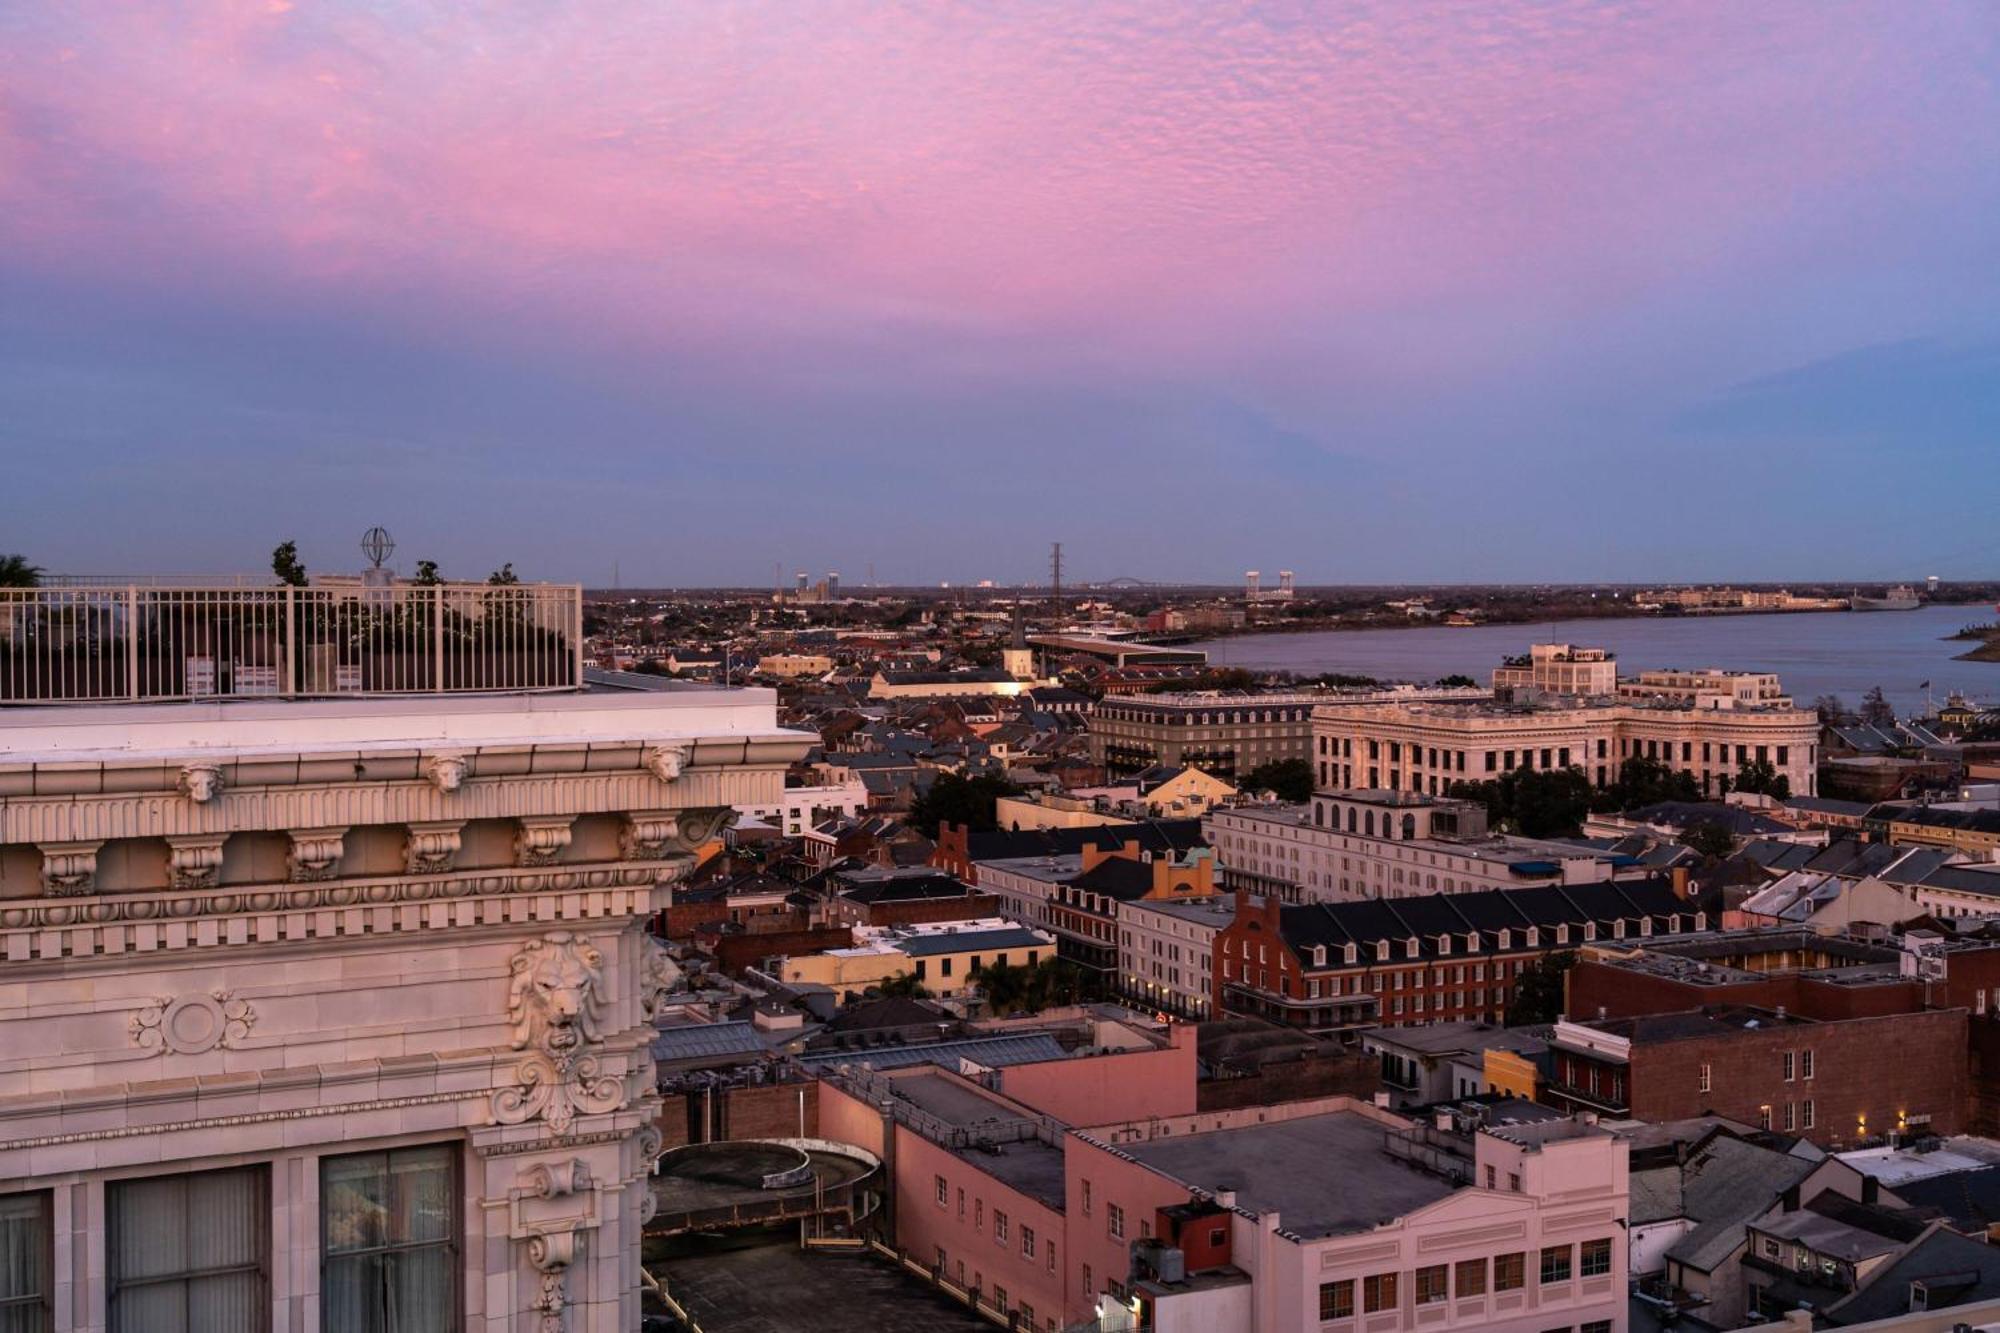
[[1433, 1284], [1556, 1264], [389, 1241], [1596, 1258], [1470, 1278], [25, 1265], [1510, 1271], [189, 1253], [1378, 1293]]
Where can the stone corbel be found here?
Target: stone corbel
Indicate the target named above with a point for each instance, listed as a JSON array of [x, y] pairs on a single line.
[[698, 826], [201, 782], [542, 838], [316, 853], [195, 861], [552, 1252], [668, 762], [649, 835], [559, 1180], [446, 772], [431, 847], [69, 868]]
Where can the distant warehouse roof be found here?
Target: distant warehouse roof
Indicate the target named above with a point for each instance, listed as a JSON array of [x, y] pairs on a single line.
[[965, 941], [993, 1052]]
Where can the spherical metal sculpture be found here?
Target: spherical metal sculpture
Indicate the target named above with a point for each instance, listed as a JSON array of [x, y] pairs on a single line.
[[377, 545]]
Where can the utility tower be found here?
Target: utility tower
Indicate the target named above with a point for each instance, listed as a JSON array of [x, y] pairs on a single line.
[[1055, 578]]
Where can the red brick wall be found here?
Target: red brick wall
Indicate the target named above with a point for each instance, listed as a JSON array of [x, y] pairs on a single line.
[[733, 953], [1622, 993], [767, 1112], [683, 920], [971, 906], [1875, 1068], [952, 851]]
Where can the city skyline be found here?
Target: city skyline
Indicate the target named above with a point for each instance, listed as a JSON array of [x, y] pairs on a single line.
[[1377, 293]]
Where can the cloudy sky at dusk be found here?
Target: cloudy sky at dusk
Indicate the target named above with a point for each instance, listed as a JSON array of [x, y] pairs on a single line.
[[1369, 290]]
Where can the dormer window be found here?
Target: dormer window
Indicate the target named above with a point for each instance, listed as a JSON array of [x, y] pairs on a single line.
[[1618, 928], [1319, 955], [1472, 941], [1562, 933], [1381, 951], [1645, 925], [1352, 954], [1444, 945], [1589, 931], [1506, 939], [1534, 937], [1412, 947]]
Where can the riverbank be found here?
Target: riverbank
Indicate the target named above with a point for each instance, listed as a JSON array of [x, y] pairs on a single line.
[[1566, 613]]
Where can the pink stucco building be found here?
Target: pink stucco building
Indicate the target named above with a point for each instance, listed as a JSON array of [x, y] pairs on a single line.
[[1329, 1214]]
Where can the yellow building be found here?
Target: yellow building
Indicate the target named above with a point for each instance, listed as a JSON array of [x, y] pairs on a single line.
[[941, 955]]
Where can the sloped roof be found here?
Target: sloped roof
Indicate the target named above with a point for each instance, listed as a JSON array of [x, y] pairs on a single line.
[[993, 1052], [706, 1041], [1725, 1184]]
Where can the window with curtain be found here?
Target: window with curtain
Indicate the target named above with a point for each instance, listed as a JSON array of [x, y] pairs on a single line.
[[25, 1269], [190, 1253], [389, 1229]]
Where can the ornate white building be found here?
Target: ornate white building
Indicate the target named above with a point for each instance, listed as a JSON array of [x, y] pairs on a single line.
[[334, 1015]]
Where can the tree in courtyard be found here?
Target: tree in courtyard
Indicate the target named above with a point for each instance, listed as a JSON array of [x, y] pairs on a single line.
[[1642, 781], [1539, 992], [1832, 710], [1291, 779], [1457, 682], [285, 563], [1761, 777], [954, 798], [902, 986], [1537, 803], [1876, 710], [1709, 838], [16, 572], [427, 574], [504, 576]]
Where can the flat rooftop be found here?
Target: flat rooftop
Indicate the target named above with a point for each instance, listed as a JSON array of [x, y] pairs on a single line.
[[1031, 1166], [114, 733], [1323, 1175], [764, 1287]]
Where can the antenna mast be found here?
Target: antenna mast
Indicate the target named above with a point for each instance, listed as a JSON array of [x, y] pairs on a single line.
[[1055, 578]]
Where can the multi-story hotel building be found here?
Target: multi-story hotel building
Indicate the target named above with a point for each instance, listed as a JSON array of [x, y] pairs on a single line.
[[1344, 845], [1677, 719], [334, 1013], [1222, 733]]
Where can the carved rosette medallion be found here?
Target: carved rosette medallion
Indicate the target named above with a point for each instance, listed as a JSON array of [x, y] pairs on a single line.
[[554, 1004], [192, 1024]]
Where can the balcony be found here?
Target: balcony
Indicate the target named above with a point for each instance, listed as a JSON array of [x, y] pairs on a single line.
[[101, 642]]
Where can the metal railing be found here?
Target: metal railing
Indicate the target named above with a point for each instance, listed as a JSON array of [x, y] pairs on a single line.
[[133, 642]]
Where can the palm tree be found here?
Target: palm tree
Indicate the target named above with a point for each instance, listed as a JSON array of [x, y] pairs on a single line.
[[16, 572]]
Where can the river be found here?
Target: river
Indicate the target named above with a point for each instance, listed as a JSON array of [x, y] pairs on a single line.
[[1814, 653]]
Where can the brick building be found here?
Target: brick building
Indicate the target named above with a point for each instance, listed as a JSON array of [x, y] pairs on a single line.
[[1335, 967], [1935, 1002], [1819, 1080]]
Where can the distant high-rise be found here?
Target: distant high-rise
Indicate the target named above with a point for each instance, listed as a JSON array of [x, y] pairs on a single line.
[[1250, 578], [799, 581], [832, 584]]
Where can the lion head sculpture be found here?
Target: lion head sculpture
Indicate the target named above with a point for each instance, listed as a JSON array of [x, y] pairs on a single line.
[[553, 998], [201, 783]]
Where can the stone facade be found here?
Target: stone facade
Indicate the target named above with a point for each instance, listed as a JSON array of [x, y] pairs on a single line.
[[286, 935]]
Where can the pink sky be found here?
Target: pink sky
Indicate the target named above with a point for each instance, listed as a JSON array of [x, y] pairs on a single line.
[[1349, 220]]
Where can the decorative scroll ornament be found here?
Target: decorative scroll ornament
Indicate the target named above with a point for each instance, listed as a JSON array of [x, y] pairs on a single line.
[[554, 1005], [69, 868], [195, 862], [698, 826], [201, 783], [541, 839], [446, 772], [647, 834], [552, 1252], [316, 853], [432, 847], [192, 1024]]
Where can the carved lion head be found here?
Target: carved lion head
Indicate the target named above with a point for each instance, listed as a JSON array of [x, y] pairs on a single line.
[[201, 783], [553, 997]]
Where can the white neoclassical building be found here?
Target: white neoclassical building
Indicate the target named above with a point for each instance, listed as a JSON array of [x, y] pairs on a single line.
[[334, 1014]]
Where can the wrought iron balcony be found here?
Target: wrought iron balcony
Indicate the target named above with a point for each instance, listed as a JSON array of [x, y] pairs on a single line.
[[91, 641]]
